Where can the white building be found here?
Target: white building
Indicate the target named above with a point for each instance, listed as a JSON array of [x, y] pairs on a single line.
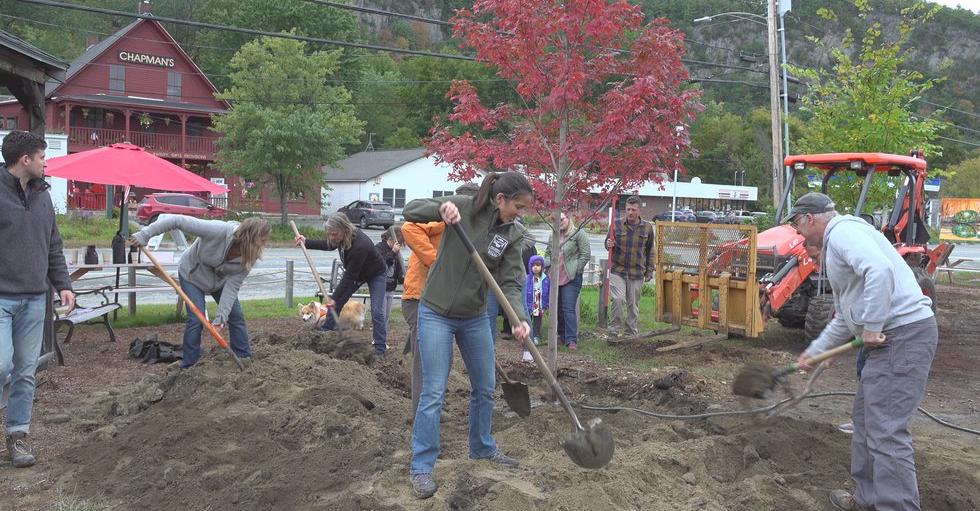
[[57, 146], [395, 177]]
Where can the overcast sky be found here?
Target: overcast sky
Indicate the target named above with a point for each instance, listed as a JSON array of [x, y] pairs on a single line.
[[973, 5]]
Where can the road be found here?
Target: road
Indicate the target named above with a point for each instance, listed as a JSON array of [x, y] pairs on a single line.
[[267, 279]]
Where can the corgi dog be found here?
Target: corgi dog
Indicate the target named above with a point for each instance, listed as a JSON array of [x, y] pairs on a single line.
[[314, 311], [352, 315]]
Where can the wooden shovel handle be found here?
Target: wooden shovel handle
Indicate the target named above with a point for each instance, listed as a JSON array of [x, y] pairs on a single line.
[[309, 260], [187, 301]]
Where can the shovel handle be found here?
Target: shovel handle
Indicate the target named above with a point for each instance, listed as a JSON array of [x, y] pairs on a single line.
[[193, 308], [309, 260], [515, 320], [503, 374], [816, 359]]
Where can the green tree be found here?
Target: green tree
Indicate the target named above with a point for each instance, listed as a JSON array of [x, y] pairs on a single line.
[[285, 121], [864, 103], [964, 179], [402, 138]]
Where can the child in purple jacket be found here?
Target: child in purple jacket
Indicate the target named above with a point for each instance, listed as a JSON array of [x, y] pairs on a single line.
[[536, 289]]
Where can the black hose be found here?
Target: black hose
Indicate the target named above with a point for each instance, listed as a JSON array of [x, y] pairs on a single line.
[[586, 406]]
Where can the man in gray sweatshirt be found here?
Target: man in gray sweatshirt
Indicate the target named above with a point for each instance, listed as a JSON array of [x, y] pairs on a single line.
[[876, 298], [30, 261]]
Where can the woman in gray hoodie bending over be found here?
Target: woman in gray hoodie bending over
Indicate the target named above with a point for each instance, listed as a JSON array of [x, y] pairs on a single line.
[[216, 263]]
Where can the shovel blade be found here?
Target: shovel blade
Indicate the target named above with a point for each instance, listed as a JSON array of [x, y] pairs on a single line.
[[517, 397], [592, 447]]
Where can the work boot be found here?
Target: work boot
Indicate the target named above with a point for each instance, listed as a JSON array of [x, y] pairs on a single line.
[[504, 460], [845, 501], [18, 451], [423, 486]]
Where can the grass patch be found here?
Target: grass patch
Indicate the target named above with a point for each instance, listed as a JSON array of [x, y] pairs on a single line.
[[164, 314], [67, 502]]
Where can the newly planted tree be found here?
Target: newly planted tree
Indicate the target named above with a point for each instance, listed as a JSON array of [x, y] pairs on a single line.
[[600, 95]]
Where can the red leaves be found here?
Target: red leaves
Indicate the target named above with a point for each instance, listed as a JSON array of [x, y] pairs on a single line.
[[586, 65]]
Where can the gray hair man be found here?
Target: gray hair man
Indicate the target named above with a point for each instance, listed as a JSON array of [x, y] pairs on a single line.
[[876, 298]]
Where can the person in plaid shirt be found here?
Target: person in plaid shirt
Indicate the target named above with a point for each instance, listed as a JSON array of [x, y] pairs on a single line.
[[631, 242]]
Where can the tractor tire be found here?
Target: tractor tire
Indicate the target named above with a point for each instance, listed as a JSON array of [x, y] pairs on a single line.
[[793, 313], [927, 284], [818, 314], [363, 222]]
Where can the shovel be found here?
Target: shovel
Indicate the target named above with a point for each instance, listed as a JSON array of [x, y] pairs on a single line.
[[754, 380], [190, 305], [590, 447], [319, 281], [515, 393]]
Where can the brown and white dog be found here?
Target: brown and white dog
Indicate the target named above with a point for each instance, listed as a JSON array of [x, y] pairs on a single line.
[[352, 316]]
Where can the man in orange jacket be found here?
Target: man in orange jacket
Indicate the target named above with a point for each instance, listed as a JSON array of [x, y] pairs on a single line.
[[423, 239]]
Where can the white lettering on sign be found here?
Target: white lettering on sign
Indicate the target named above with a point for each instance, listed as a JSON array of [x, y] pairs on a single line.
[[142, 58]]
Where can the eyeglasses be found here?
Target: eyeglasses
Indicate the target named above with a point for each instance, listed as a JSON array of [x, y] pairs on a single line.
[[795, 223]]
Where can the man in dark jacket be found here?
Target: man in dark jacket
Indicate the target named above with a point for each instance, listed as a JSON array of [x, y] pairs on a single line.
[[30, 261]]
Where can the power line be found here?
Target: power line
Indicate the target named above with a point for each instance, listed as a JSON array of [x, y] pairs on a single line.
[[948, 108], [369, 10], [214, 26], [959, 141]]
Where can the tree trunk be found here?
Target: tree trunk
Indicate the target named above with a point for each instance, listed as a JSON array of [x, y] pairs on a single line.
[[561, 174], [283, 207]]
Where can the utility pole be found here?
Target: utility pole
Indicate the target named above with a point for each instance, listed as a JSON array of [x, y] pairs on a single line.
[[784, 7], [777, 152]]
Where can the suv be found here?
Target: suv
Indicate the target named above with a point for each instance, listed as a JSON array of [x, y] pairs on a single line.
[[366, 213], [156, 204]]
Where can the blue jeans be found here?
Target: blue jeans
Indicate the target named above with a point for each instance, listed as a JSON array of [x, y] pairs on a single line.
[[436, 349], [493, 310], [191, 347], [567, 300], [378, 289], [21, 333]]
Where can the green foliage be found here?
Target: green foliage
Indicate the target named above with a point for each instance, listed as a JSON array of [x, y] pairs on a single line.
[[964, 180], [864, 103], [402, 138], [285, 121]]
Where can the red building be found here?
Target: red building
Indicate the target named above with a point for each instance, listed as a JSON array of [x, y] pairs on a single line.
[[139, 86]]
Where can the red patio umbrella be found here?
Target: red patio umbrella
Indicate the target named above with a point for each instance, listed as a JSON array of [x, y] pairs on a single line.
[[128, 165]]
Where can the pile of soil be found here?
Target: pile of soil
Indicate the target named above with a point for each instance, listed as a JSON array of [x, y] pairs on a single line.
[[317, 423]]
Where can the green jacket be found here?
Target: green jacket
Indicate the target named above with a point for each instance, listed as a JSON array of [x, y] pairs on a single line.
[[455, 288], [576, 251]]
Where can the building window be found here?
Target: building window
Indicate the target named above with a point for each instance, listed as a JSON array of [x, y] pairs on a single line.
[[394, 196], [9, 123], [117, 78], [173, 85], [442, 193]]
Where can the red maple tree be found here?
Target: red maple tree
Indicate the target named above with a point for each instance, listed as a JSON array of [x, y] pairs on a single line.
[[600, 94]]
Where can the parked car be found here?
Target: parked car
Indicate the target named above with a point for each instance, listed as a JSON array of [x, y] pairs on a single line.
[[365, 213], [740, 216], [679, 216], [156, 204], [706, 217]]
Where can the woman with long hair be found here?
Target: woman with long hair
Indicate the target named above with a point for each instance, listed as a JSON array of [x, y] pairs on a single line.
[[453, 304], [362, 264], [216, 263], [573, 256]]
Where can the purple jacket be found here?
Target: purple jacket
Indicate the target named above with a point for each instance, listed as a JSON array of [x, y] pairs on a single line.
[[529, 285]]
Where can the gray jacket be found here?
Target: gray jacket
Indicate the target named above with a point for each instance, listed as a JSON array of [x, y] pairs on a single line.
[[31, 256], [203, 263], [874, 288]]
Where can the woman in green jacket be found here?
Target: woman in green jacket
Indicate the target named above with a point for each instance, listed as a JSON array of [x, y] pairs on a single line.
[[453, 304], [574, 255]]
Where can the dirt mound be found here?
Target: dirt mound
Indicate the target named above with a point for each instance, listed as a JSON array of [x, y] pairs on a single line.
[[314, 424]]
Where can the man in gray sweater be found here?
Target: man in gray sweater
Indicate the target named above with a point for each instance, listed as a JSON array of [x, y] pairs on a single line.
[[876, 298], [30, 259]]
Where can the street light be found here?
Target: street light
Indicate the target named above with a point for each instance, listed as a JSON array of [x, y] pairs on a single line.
[[770, 23]]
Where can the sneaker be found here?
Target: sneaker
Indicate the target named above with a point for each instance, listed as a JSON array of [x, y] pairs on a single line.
[[572, 346], [526, 357], [502, 459], [18, 451], [423, 485], [843, 500], [847, 427], [536, 341]]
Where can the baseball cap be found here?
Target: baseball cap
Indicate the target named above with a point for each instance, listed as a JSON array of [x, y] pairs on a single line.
[[813, 203]]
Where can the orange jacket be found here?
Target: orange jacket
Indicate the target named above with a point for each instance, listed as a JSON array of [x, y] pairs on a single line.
[[423, 239]]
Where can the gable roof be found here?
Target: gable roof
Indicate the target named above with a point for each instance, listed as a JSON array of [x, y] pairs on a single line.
[[30, 51], [365, 165]]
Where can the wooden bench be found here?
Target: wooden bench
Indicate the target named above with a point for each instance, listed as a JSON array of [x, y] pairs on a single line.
[[79, 315]]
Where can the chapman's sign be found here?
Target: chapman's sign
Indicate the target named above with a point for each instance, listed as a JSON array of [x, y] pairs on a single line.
[[142, 58]]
